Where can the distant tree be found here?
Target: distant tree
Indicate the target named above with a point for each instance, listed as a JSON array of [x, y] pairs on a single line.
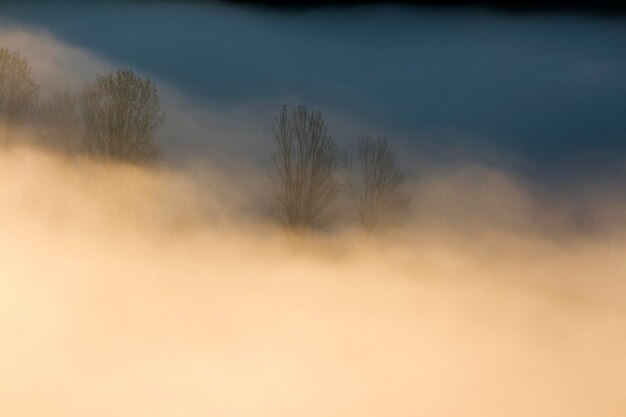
[[376, 187], [304, 162], [60, 121], [121, 113], [18, 91]]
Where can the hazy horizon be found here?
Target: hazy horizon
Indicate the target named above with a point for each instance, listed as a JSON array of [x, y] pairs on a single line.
[[170, 289]]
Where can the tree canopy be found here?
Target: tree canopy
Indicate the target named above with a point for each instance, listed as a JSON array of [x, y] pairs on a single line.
[[304, 163], [121, 113]]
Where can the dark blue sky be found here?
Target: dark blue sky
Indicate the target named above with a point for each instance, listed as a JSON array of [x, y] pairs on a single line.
[[549, 89]]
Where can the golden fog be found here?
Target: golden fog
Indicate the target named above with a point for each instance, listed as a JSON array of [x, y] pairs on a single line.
[[129, 292]]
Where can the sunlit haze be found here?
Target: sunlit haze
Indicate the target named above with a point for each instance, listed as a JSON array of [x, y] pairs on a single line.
[[178, 283]]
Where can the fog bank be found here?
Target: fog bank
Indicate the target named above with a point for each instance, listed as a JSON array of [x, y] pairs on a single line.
[[134, 292]]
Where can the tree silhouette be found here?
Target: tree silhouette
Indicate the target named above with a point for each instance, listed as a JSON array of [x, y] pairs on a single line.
[[60, 121], [18, 91], [304, 163], [376, 187], [121, 113]]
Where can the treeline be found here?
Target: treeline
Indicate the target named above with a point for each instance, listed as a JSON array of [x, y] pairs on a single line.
[[117, 116]]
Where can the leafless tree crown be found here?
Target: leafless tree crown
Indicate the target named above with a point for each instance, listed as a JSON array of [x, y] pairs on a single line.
[[376, 187], [121, 113], [18, 91], [304, 161], [60, 121]]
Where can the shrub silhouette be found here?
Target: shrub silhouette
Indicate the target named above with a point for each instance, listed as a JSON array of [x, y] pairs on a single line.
[[304, 164], [60, 121]]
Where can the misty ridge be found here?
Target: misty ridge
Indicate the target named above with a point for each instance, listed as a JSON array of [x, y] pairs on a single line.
[[311, 182], [116, 118]]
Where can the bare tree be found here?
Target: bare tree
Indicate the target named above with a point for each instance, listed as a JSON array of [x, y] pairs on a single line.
[[121, 113], [377, 186], [18, 91], [60, 121], [305, 160]]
